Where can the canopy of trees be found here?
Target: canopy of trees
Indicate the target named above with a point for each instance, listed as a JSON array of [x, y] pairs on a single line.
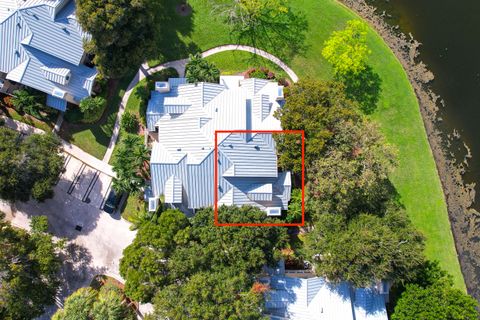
[[210, 295], [108, 303], [28, 270], [186, 259], [365, 249], [315, 107], [436, 301], [30, 166], [129, 164], [124, 32], [200, 70], [351, 176]]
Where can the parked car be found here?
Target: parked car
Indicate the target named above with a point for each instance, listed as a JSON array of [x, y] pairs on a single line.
[[112, 202]]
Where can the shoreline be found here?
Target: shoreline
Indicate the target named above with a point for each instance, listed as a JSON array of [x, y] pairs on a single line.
[[458, 195]]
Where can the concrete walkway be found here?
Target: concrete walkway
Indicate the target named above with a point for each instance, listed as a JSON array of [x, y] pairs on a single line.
[[68, 148], [179, 65]]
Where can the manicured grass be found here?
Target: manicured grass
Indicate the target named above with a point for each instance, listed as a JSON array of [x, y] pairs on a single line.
[[416, 178], [94, 138], [133, 207], [235, 62]]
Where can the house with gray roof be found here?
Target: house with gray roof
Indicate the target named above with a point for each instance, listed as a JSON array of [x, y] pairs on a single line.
[[183, 118], [42, 48], [300, 295]]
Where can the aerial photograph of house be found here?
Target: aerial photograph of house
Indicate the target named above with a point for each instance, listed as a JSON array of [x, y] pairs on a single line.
[[183, 118], [239, 160]]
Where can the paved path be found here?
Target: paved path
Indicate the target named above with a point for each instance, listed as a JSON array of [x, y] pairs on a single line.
[[68, 148], [179, 65]]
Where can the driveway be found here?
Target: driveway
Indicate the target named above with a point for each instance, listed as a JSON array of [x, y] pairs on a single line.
[[95, 239]]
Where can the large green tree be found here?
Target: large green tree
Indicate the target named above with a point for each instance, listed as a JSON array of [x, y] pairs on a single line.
[[107, 303], [365, 248], [123, 32], [144, 265], [315, 107], [347, 49], [210, 295], [352, 174], [439, 301], [30, 166], [29, 263], [174, 249]]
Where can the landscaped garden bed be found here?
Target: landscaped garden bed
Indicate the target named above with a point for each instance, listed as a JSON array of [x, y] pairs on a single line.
[[95, 137], [44, 120]]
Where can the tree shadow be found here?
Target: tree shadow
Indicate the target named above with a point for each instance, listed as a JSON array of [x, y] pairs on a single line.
[[284, 36], [172, 28], [364, 88]]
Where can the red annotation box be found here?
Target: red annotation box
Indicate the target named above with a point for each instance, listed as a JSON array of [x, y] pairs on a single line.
[[215, 186]]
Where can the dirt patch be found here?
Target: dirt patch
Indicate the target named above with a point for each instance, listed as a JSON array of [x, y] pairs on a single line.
[[464, 220]]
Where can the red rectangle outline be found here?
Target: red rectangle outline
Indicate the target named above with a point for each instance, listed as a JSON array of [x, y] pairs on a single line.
[[215, 182]]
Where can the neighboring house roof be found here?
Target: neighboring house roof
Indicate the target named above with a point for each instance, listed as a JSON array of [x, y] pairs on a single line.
[[42, 47], [186, 118], [317, 299]]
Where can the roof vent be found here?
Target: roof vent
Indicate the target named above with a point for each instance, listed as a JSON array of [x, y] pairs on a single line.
[[19, 25], [65, 30], [257, 147], [179, 149]]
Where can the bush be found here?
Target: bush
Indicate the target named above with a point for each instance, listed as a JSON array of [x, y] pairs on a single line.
[[129, 122], [92, 109], [28, 101], [200, 70]]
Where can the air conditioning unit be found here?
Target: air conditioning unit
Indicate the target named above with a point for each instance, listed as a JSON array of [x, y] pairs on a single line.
[[162, 86]]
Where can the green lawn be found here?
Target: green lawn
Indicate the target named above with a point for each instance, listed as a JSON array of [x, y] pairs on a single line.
[[398, 115], [234, 62], [94, 138]]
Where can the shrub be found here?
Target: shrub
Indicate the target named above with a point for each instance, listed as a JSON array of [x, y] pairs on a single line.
[[200, 70], [27, 101], [92, 108], [129, 122]]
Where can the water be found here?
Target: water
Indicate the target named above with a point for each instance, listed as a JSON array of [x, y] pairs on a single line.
[[450, 35]]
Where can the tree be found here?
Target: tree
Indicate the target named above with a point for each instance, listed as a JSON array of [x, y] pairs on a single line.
[[77, 306], [29, 264], [199, 69], [123, 32], [439, 301], [28, 101], [352, 174], [129, 122], [144, 262], [92, 108], [315, 107], [30, 166], [218, 295], [294, 213], [129, 165], [365, 248], [174, 249], [347, 49], [266, 24], [107, 303]]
